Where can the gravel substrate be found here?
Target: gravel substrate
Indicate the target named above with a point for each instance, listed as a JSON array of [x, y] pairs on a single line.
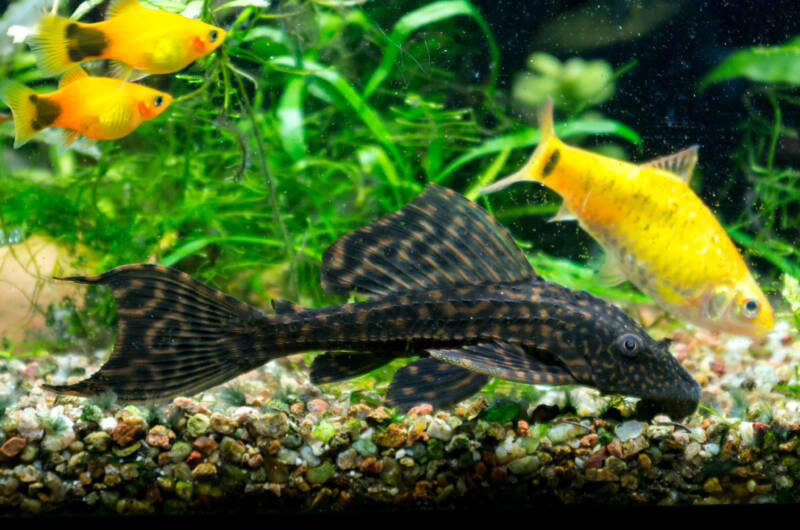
[[271, 441]]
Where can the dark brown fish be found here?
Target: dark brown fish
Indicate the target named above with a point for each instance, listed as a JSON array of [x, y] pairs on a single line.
[[447, 283]]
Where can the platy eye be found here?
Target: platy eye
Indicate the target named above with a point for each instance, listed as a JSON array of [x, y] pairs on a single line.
[[750, 307], [158, 101], [629, 344], [212, 35]]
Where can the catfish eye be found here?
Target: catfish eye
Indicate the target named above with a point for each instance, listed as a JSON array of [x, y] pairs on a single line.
[[629, 344], [158, 100], [750, 307], [212, 35]]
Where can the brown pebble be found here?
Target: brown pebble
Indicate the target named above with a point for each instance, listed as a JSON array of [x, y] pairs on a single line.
[[712, 486], [379, 414], [523, 429], [274, 447], [12, 447], [371, 465], [421, 489], [597, 459], [205, 445], [159, 436], [317, 406], [420, 410], [615, 448], [589, 440], [164, 458], [194, 458], [297, 408], [123, 434], [255, 461], [498, 475]]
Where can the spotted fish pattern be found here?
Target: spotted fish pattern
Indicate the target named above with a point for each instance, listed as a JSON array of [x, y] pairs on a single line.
[[446, 283]]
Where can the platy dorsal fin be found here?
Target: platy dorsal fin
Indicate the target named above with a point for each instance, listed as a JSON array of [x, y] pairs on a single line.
[[505, 361], [118, 7], [563, 214], [73, 74], [681, 163], [281, 306], [432, 381], [610, 272], [440, 238]]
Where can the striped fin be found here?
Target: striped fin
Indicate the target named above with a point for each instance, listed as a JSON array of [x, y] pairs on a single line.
[[73, 74], [60, 43], [429, 380], [32, 112], [681, 163], [118, 7], [505, 361], [440, 238], [332, 367], [175, 335]]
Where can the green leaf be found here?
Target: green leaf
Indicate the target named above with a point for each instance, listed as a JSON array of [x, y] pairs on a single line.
[[260, 4], [778, 64], [424, 16], [290, 119], [503, 411], [791, 292]]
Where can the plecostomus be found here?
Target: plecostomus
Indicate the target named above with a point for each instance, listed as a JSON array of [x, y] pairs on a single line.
[[447, 283]]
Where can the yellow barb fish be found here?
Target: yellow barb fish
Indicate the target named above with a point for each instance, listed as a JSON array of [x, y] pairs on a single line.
[[656, 232], [101, 108], [134, 37]]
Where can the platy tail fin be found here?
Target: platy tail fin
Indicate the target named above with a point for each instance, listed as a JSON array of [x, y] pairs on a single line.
[[537, 167], [175, 336], [23, 107], [61, 43]]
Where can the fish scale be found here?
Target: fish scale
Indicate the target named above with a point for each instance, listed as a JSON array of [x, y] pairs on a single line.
[[179, 336]]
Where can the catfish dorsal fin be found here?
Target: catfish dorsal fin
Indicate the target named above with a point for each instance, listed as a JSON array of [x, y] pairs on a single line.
[[118, 7], [440, 238], [73, 74], [681, 163]]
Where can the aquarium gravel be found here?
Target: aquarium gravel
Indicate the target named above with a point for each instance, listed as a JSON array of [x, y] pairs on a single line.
[[270, 440]]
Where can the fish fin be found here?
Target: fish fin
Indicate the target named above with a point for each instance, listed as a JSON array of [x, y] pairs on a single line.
[[175, 335], [281, 306], [681, 163], [24, 105], [717, 303], [50, 45], [610, 273], [429, 380], [505, 361], [73, 74], [115, 117], [536, 168], [120, 70], [563, 214], [440, 238], [118, 7], [70, 136], [332, 367]]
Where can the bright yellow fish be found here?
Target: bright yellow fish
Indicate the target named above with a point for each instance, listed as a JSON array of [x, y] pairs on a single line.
[[147, 40], [102, 108], [656, 232]]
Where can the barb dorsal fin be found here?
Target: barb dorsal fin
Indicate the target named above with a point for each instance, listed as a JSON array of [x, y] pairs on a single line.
[[440, 238], [681, 163]]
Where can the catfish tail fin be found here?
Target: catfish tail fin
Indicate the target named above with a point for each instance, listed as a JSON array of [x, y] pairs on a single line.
[[175, 336], [536, 169]]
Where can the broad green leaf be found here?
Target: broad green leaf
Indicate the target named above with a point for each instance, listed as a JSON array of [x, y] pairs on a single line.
[[290, 118], [777, 64]]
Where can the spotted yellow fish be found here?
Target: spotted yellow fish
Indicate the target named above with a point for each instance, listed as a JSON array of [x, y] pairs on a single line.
[[447, 284], [656, 232]]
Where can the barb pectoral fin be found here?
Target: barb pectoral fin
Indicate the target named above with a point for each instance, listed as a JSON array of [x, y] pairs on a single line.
[[506, 361]]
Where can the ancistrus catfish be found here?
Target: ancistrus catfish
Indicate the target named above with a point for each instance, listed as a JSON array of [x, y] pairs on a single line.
[[447, 284], [656, 232]]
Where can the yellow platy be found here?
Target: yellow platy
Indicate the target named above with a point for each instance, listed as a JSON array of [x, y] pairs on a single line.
[[101, 108], [656, 232], [150, 41]]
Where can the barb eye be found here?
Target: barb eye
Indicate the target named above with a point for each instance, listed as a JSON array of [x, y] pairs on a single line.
[[750, 307]]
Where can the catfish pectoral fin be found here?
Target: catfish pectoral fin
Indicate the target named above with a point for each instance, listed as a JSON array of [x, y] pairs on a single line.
[[332, 367], [429, 380], [175, 335]]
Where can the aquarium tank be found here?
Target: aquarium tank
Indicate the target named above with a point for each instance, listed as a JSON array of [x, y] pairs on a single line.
[[345, 256]]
